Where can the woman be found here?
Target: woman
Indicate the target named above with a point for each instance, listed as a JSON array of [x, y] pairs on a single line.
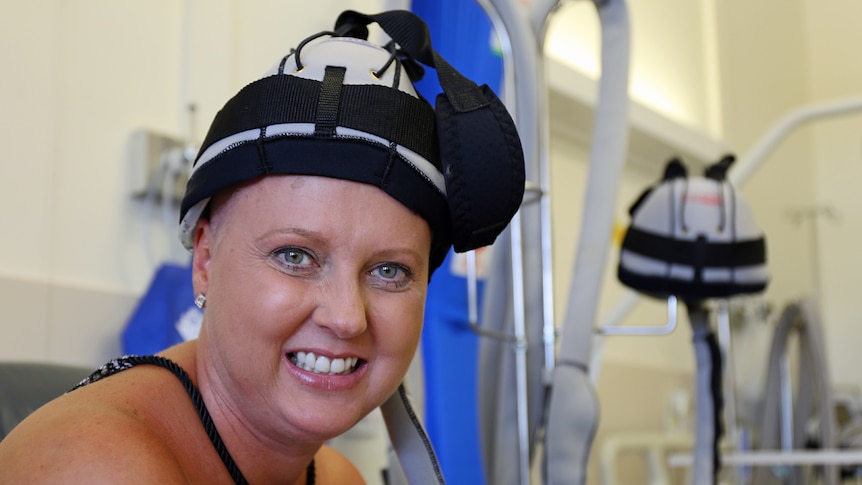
[[316, 213]]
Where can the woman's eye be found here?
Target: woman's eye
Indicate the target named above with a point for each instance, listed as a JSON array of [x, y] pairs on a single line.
[[293, 256], [389, 271], [393, 274]]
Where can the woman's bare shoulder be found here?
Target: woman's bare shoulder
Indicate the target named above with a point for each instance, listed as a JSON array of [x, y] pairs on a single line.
[[72, 440], [334, 468], [114, 429]]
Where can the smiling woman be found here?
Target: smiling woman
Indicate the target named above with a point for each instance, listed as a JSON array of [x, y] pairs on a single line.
[[322, 200], [332, 279]]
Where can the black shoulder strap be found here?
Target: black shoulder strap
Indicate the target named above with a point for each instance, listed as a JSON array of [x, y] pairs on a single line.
[[129, 361], [118, 365]]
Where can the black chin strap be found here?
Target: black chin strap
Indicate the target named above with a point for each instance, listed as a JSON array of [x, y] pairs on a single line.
[[409, 440]]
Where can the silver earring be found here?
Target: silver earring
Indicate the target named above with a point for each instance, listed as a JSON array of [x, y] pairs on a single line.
[[200, 300]]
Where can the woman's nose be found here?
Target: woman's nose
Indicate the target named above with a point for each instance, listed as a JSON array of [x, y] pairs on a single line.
[[341, 308]]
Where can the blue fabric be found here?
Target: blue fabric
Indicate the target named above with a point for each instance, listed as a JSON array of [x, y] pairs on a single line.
[[450, 359], [461, 33], [153, 325]]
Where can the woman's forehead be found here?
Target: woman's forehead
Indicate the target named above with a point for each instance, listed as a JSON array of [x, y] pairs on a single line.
[[300, 187], [296, 197]]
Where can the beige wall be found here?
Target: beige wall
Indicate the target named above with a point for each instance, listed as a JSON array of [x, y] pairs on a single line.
[[668, 75], [64, 324], [78, 79], [833, 75], [625, 428], [802, 59]]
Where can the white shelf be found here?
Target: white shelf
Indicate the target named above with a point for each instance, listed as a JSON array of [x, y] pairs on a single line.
[[653, 138]]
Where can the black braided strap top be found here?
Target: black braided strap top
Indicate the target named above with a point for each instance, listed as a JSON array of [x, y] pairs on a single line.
[[127, 362]]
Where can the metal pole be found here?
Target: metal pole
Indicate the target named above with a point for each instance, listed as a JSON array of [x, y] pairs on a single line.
[[520, 350]]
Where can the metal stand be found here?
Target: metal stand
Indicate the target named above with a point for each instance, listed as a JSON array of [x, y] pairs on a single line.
[[521, 27]]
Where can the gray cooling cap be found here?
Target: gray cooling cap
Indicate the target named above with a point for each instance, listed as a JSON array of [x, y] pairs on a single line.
[[345, 108], [340, 115]]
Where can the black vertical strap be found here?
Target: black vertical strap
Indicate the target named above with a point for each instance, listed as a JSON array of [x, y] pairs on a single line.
[[671, 220], [717, 402], [722, 208], [265, 166], [699, 261], [682, 201], [327, 103], [731, 220]]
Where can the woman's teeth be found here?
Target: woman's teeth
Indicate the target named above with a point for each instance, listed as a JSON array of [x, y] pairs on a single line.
[[324, 365]]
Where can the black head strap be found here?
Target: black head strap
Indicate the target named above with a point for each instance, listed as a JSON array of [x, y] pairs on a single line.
[[481, 154]]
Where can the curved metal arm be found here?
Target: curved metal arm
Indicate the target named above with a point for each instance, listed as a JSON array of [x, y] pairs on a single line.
[[473, 303], [672, 308], [532, 193], [784, 126]]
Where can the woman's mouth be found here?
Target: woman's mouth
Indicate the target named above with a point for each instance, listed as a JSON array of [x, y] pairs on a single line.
[[324, 365]]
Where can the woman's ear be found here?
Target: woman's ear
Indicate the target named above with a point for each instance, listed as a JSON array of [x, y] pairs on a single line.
[[201, 256]]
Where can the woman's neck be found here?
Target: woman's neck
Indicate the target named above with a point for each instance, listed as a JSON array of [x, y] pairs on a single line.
[[262, 457]]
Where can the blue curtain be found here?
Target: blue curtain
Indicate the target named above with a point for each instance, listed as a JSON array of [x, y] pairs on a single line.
[[461, 32]]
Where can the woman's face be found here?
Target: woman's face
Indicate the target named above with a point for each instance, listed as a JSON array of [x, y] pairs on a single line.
[[315, 296]]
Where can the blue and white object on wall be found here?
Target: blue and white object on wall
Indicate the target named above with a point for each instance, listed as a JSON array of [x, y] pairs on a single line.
[[165, 315]]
